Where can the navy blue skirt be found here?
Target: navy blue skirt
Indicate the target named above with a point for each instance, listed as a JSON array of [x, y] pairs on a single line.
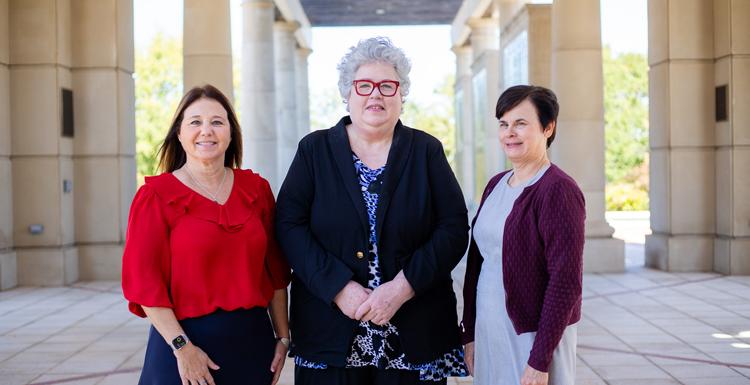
[[241, 342]]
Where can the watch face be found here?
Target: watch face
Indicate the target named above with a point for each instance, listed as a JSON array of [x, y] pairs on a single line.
[[179, 342]]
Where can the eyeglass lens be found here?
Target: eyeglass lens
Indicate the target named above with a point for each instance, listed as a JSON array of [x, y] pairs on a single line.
[[385, 87]]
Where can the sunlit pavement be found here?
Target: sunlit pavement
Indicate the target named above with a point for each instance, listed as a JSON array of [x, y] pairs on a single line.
[[641, 327]]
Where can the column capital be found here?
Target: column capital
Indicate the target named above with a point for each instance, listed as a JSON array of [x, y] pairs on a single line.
[[483, 24], [461, 50], [485, 34], [258, 3], [304, 52], [286, 26]]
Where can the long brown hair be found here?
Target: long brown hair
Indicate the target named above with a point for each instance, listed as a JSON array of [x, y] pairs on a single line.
[[171, 154]]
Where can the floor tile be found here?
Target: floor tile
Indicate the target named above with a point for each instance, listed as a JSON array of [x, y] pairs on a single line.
[[664, 320], [629, 372]]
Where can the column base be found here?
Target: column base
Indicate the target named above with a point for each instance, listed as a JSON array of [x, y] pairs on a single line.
[[732, 255], [8, 270], [49, 266], [685, 253], [100, 262], [603, 255]]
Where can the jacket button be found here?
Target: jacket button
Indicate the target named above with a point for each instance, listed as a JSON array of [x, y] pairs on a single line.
[[360, 255]]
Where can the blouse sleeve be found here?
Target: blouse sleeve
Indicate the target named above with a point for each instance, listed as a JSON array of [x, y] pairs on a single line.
[[146, 259], [277, 266]]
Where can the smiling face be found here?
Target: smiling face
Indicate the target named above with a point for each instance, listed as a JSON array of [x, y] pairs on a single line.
[[205, 132], [375, 112], [521, 135]]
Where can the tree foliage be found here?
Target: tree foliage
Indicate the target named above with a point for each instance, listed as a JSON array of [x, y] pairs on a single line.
[[326, 108], [626, 130], [158, 88], [436, 117]]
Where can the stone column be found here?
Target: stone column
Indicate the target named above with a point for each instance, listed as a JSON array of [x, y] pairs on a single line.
[[42, 166], [732, 135], [258, 102], [682, 141], [485, 45], [464, 128], [104, 143], [286, 100], [284, 46], [525, 45], [302, 92], [207, 45], [578, 82], [540, 41], [508, 10], [7, 254]]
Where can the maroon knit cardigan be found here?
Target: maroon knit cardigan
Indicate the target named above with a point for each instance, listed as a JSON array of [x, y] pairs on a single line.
[[542, 262]]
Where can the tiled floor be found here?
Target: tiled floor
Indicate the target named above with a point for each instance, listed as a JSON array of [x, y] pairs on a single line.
[[642, 327]]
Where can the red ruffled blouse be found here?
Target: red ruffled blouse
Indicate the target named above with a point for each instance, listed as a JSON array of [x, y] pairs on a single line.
[[191, 254]]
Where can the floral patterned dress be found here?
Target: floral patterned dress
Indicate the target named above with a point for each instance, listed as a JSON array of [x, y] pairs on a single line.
[[379, 346]]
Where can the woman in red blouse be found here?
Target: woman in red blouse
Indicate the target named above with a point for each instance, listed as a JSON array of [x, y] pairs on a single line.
[[201, 260]]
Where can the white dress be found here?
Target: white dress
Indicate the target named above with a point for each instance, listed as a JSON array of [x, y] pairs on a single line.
[[501, 355]]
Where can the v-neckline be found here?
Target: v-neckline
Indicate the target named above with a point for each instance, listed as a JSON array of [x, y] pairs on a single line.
[[229, 197]]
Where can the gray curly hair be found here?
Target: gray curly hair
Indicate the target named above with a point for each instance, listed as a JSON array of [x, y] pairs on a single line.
[[373, 50]]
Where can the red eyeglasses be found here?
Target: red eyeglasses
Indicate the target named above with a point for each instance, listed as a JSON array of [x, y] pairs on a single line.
[[365, 87]]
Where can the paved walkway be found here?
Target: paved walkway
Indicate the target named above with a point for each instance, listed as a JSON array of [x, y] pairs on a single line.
[[641, 327]]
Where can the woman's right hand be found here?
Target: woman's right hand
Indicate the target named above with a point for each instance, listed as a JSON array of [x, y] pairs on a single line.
[[350, 297], [469, 357], [193, 364]]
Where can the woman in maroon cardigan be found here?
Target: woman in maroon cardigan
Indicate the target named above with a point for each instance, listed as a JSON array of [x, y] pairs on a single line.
[[522, 292]]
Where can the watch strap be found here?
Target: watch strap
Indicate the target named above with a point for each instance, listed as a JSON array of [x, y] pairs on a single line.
[[285, 341]]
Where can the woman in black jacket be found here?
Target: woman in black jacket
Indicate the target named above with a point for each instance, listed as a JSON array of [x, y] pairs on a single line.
[[372, 221]]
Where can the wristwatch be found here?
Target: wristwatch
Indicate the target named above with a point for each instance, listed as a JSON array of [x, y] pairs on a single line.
[[179, 342], [284, 341]]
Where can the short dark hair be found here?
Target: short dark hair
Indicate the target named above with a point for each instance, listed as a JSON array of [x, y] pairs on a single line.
[[543, 99], [171, 154]]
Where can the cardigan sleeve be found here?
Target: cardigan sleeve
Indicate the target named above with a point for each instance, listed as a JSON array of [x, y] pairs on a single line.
[[436, 258], [474, 262], [146, 259], [471, 277], [561, 225], [320, 271], [276, 265]]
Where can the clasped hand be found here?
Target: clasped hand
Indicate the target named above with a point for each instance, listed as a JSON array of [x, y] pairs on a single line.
[[377, 306]]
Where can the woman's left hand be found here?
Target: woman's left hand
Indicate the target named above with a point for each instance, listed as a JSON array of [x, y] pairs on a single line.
[[279, 358], [385, 301], [532, 376]]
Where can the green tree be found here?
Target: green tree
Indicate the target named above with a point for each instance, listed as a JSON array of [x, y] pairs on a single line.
[[435, 117], [626, 130], [158, 89], [326, 107]]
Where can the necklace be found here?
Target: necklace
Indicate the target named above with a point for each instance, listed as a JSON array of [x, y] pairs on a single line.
[[204, 188]]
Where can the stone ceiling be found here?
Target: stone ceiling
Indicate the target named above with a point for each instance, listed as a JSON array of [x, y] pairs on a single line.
[[339, 13]]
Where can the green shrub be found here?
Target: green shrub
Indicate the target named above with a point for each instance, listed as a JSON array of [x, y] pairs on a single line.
[[626, 197]]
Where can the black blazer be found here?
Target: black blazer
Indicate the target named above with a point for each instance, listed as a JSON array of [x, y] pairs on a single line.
[[322, 226]]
